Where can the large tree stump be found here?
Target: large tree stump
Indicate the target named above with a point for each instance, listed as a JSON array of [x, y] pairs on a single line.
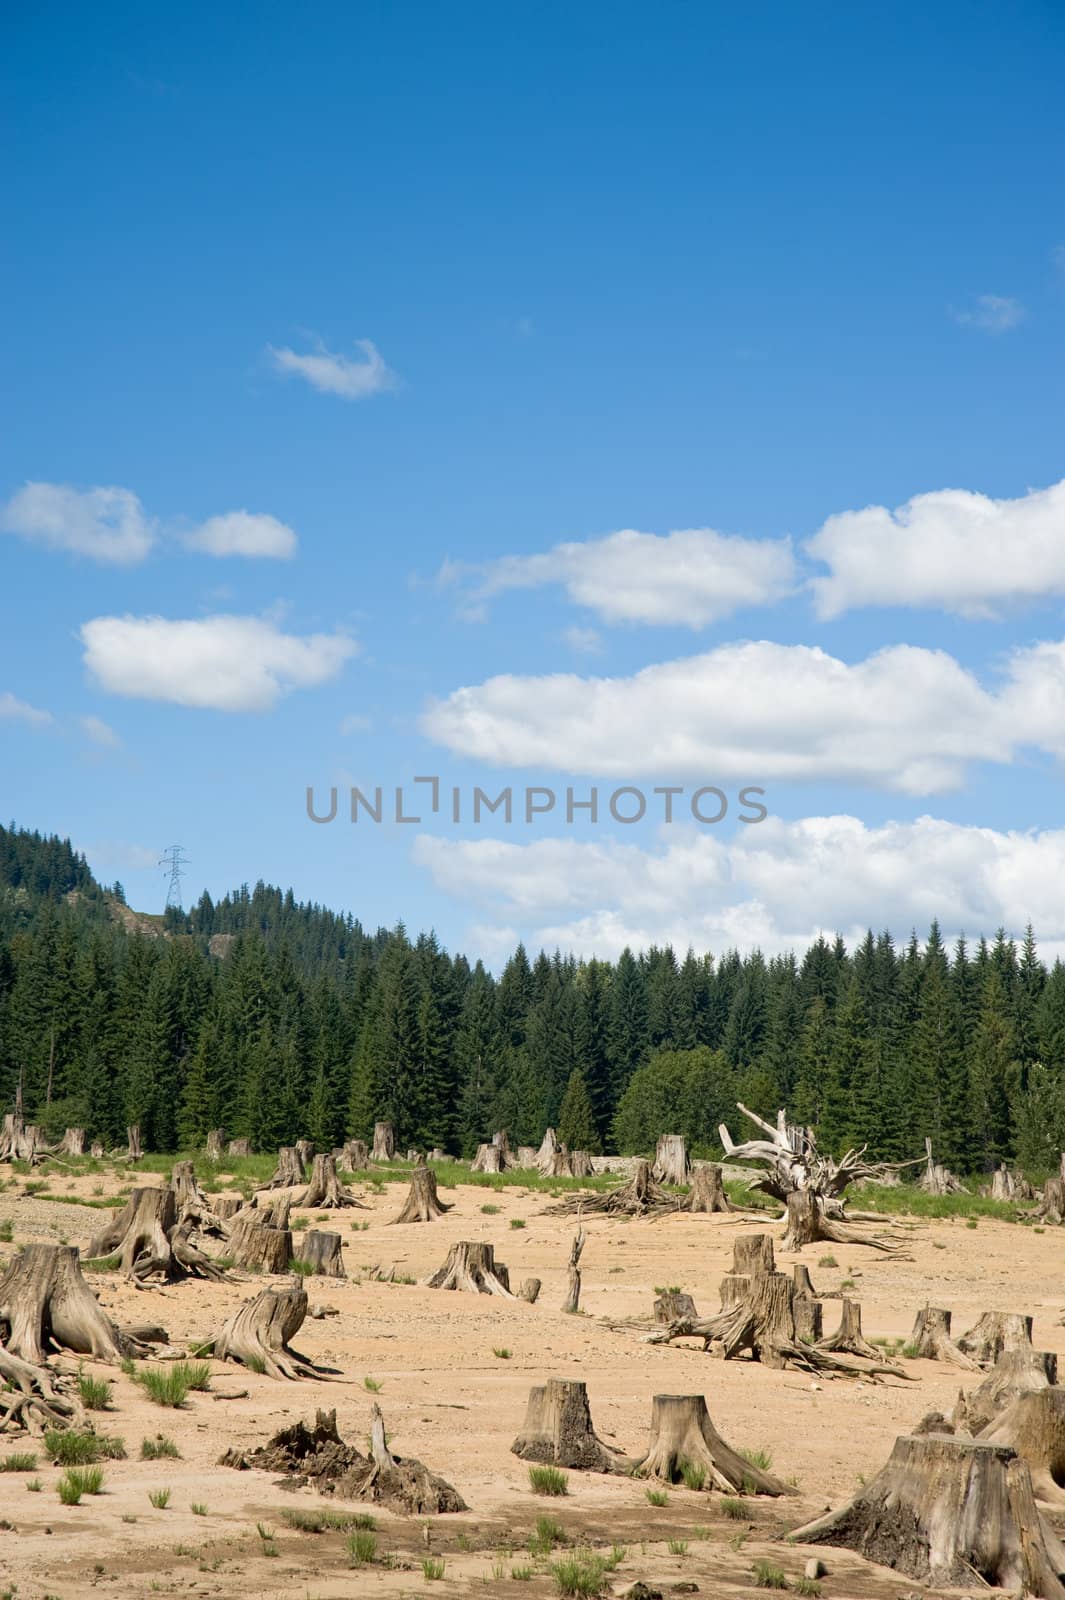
[[261, 1240], [322, 1252], [1034, 1426], [96, 1150], [325, 1192], [422, 1204], [848, 1337], [72, 1143], [804, 1284], [258, 1334], [213, 1147], [471, 1266], [46, 1304], [384, 1141], [580, 1164], [226, 1206], [671, 1160], [944, 1509], [810, 1223], [489, 1158], [1016, 1372], [558, 1430], [671, 1304], [682, 1435], [239, 1147], [936, 1179], [931, 1338], [572, 1301], [545, 1156], [708, 1189], [809, 1319], [188, 1259], [187, 1192], [139, 1235], [356, 1155], [305, 1151], [752, 1253], [1052, 1205], [994, 1332], [289, 1173]]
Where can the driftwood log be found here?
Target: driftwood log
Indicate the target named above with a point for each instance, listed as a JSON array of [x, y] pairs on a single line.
[[943, 1509], [471, 1266], [423, 1204], [558, 1430], [683, 1437]]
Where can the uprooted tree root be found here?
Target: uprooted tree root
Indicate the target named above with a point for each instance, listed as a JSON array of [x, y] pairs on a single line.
[[641, 1196], [318, 1458]]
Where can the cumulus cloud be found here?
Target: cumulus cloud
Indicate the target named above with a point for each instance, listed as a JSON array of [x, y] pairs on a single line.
[[331, 373], [776, 886], [905, 718], [99, 732], [12, 709], [106, 524], [991, 313], [224, 663], [960, 551], [692, 577], [244, 533], [584, 641]]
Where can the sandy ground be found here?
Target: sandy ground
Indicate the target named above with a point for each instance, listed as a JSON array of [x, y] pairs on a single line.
[[452, 1401]]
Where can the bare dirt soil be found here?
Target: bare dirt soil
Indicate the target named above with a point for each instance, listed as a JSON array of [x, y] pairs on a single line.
[[454, 1372]]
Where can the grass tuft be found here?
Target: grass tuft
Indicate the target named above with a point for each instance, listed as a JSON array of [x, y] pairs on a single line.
[[580, 1575], [548, 1480], [160, 1498], [767, 1576]]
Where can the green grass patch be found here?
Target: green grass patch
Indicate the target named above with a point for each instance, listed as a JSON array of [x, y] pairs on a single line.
[[579, 1575], [362, 1547], [18, 1463], [95, 1393], [767, 1576], [548, 1480], [159, 1449], [69, 1447]]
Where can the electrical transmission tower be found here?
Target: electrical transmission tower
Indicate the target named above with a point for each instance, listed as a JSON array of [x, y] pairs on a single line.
[[172, 861]]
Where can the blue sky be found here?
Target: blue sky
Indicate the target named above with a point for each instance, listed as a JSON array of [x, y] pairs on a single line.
[[728, 270]]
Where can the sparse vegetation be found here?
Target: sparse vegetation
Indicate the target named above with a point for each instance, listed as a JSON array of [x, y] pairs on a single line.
[[160, 1498], [657, 1497], [548, 1480], [767, 1576], [159, 1448], [362, 1547], [580, 1575]]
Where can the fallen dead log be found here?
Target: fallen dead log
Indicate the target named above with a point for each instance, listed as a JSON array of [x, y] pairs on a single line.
[[423, 1203], [471, 1266], [944, 1508], [683, 1440], [558, 1430]]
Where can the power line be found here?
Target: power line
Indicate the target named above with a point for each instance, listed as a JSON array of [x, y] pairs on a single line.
[[172, 861]]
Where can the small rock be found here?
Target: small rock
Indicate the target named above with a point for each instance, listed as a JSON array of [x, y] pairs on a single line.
[[642, 1591], [814, 1568]]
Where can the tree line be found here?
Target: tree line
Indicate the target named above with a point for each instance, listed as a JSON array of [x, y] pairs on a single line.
[[275, 1019]]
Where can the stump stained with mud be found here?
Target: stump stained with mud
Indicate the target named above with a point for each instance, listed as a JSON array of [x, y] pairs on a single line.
[[320, 1254], [423, 1203], [684, 1442], [471, 1266], [944, 1508], [558, 1430]]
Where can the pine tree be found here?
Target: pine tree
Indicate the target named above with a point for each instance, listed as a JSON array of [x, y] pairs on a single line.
[[576, 1120]]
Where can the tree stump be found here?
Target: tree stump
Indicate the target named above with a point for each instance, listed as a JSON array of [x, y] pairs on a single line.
[[133, 1142], [240, 1147], [289, 1173], [186, 1190], [572, 1301], [526, 1157], [671, 1160], [752, 1253], [682, 1435], [529, 1289], [261, 1241], [848, 1337], [187, 1259], [558, 1430], [46, 1304], [305, 1151], [1015, 1373], [356, 1155], [671, 1304], [545, 1156], [72, 1143], [96, 1150], [213, 1147], [139, 1235], [809, 1319], [734, 1287], [1034, 1426], [800, 1277], [994, 1332], [325, 1191], [384, 1141], [258, 1334], [33, 1397], [227, 1206], [708, 1190], [931, 1338], [943, 1509], [580, 1164], [1052, 1206], [423, 1204], [322, 1251], [489, 1158], [471, 1266], [936, 1179]]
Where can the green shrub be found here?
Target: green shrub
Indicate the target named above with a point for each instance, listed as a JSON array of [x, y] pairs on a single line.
[[580, 1575], [548, 1480], [95, 1392], [160, 1498], [18, 1463], [433, 1568], [657, 1497], [158, 1448], [70, 1448], [362, 1547], [767, 1576]]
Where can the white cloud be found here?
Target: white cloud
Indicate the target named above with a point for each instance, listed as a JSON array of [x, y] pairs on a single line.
[[584, 641], [692, 577], [776, 885], [225, 663], [338, 374], [107, 524], [991, 313], [14, 710], [907, 719], [964, 552], [244, 533], [100, 733], [355, 724]]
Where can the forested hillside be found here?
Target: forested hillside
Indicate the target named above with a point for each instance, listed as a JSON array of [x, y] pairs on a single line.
[[303, 1023]]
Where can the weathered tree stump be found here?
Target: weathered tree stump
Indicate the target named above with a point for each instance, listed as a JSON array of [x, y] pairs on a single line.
[[305, 1151], [33, 1397], [139, 1234], [325, 1191], [186, 1189], [356, 1155], [471, 1266], [384, 1141], [994, 1332], [72, 1143], [261, 1240], [708, 1189], [641, 1196], [422, 1204], [752, 1253], [945, 1508], [800, 1277], [809, 1319], [580, 1164], [46, 1304], [545, 1156], [239, 1147], [682, 1435], [489, 1158], [671, 1160], [1016, 1372], [188, 1259], [848, 1337], [1034, 1426], [322, 1251], [96, 1150], [671, 1304], [213, 1146], [529, 1289], [289, 1173], [810, 1223], [558, 1430], [258, 1334], [133, 1142], [936, 1179], [526, 1157], [931, 1338], [572, 1301], [227, 1206], [734, 1287]]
